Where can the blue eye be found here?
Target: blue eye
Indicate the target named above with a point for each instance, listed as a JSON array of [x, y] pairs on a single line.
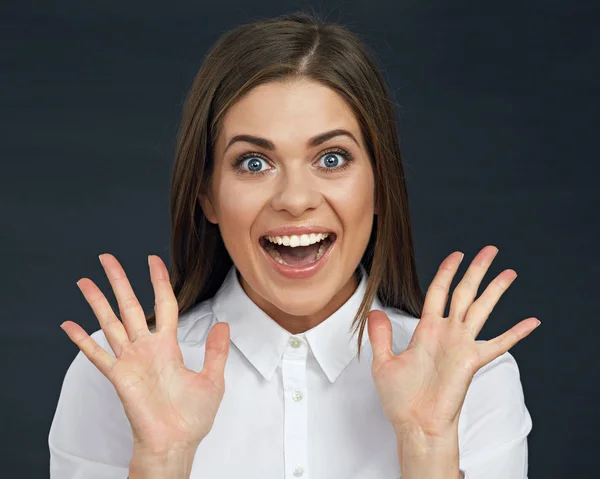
[[252, 164], [331, 160]]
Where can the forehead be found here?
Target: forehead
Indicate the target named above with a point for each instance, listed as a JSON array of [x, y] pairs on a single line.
[[288, 111]]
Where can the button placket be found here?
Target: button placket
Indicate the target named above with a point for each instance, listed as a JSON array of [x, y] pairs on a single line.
[[293, 369]]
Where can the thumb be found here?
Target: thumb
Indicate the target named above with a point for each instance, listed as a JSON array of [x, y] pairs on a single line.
[[380, 335], [216, 352]]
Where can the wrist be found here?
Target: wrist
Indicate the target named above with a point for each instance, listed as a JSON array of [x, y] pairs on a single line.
[[415, 441], [173, 463], [417, 435]]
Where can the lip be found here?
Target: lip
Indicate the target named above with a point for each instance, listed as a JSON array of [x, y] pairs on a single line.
[[303, 272]]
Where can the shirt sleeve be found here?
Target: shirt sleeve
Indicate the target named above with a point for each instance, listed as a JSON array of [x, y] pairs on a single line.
[[496, 423], [90, 436]]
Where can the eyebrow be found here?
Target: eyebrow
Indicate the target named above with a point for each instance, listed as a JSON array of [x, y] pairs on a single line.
[[268, 145]]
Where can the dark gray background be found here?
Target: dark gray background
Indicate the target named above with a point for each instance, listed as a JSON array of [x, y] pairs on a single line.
[[497, 103]]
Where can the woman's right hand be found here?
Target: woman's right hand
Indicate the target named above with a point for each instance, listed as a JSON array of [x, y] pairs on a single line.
[[169, 406]]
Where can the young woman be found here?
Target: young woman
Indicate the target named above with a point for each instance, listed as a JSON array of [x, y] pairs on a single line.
[[291, 233]]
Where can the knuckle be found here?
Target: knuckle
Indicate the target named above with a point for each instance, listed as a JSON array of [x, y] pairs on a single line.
[[130, 302], [431, 329], [97, 350], [112, 325], [436, 286], [466, 284], [164, 281], [89, 344], [517, 334], [163, 301], [460, 293], [503, 340], [105, 313], [96, 299], [118, 274], [478, 310], [475, 307]]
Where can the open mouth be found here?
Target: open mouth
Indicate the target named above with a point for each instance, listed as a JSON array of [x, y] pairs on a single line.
[[297, 251]]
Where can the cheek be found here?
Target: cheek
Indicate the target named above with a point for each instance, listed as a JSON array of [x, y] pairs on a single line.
[[239, 205], [353, 202]]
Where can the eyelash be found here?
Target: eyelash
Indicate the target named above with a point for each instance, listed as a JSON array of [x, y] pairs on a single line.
[[340, 151]]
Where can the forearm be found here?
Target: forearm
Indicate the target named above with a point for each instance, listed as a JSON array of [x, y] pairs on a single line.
[[422, 457], [176, 464]]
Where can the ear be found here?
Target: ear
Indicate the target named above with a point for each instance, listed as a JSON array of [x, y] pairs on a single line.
[[208, 208]]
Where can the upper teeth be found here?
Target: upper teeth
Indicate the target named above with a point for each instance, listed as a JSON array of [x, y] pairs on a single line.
[[294, 240]]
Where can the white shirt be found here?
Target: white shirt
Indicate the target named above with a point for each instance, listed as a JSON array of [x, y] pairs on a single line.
[[295, 406]]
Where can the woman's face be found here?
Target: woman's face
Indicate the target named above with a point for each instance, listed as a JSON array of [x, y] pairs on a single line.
[[279, 177]]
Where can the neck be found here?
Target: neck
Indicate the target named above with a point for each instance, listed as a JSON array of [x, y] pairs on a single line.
[[300, 324]]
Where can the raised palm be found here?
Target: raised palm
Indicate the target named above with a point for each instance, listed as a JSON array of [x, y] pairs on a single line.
[[424, 386], [167, 404]]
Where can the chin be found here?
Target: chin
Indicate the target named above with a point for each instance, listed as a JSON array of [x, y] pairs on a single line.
[[295, 297]]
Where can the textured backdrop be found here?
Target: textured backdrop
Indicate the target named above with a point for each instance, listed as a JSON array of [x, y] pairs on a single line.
[[497, 105]]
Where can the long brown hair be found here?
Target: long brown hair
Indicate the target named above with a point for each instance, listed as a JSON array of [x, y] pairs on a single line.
[[289, 46]]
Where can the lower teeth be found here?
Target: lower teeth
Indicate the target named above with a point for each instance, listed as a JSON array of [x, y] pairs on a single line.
[[277, 257], [322, 250]]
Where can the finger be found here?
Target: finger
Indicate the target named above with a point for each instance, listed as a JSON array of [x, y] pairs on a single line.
[[465, 292], [481, 309], [97, 355], [380, 336], [493, 348], [217, 350], [132, 313], [437, 293], [165, 302], [113, 328]]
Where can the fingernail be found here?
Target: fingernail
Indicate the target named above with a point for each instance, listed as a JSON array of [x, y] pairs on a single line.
[[461, 258], [538, 323], [100, 258]]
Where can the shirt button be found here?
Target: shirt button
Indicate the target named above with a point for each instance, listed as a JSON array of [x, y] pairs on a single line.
[[295, 343], [298, 471], [297, 395]]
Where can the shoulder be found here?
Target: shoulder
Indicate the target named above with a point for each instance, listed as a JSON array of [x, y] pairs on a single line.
[[495, 420], [498, 383]]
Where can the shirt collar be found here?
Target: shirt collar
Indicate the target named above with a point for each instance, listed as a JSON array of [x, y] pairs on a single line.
[[262, 341]]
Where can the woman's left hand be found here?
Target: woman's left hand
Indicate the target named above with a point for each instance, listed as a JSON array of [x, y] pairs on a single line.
[[423, 388]]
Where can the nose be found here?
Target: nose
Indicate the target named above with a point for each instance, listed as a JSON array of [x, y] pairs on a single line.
[[296, 193]]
